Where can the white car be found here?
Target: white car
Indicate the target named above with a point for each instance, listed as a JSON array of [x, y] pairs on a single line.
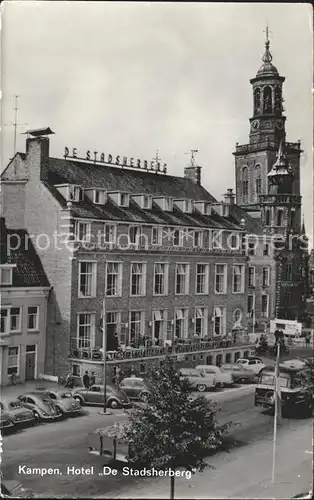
[[222, 378], [254, 364]]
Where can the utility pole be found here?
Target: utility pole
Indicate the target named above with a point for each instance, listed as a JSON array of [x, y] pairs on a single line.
[[15, 121]]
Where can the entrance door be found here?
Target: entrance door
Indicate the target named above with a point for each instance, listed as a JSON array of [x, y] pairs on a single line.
[[30, 362]]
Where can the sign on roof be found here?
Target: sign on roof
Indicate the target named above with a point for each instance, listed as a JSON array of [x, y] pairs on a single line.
[[121, 161]]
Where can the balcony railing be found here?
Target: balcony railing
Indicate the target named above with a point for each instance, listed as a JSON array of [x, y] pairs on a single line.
[[248, 148], [96, 354], [282, 198]]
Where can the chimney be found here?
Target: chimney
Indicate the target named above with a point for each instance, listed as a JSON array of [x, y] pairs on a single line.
[[37, 148], [229, 197], [3, 241], [193, 173]]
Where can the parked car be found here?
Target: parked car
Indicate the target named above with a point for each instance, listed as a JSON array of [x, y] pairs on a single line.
[[13, 413], [135, 388], [64, 401], [12, 488], [43, 407], [115, 398], [222, 378], [240, 374], [198, 380], [252, 363]]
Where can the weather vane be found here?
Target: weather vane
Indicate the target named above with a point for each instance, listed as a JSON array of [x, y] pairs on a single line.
[[192, 158]]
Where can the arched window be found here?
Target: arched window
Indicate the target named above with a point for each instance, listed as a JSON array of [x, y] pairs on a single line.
[[237, 315], [245, 183], [278, 99], [267, 102], [257, 100], [258, 179]]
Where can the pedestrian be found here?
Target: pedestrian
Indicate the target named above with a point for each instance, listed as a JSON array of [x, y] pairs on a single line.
[[92, 379], [86, 380], [307, 339]]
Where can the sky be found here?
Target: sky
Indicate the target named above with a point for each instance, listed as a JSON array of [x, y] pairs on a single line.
[[129, 78]]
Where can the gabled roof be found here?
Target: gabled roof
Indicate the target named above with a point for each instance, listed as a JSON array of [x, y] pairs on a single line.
[[90, 175], [29, 271]]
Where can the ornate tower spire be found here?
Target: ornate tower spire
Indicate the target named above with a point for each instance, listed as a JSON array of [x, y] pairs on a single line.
[[267, 57]]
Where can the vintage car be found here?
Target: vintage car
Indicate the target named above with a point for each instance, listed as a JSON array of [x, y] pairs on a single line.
[[94, 395], [296, 389], [240, 374], [198, 381], [14, 413], [252, 363], [135, 388], [64, 401], [223, 378], [43, 407]]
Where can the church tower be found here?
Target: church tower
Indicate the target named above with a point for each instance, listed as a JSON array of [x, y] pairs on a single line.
[[253, 161]]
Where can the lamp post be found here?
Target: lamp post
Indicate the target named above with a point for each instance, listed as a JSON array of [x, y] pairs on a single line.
[[104, 348]]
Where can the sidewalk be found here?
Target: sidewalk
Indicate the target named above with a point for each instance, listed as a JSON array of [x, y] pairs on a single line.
[[244, 472]]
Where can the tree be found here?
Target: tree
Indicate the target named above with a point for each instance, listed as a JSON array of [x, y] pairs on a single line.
[[172, 430]]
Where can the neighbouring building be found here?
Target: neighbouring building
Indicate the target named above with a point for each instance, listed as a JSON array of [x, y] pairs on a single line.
[[267, 172], [163, 259], [24, 289]]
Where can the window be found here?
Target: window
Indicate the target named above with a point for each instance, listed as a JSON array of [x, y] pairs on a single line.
[[146, 202], [124, 200], [287, 276], [266, 276], [279, 219], [265, 300], [113, 279], [138, 275], [198, 239], [15, 319], [6, 275], [76, 370], [181, 323], [86, 330], [219, 320], [113, 325], [250, 305], [110, 233], [245, 184], [135, 233], [200, 321], [237, 315], [238, 279], [157, 236], [217, 239], [4, 317], [251, 248], [75, 193], [160, 279], [13, 360], [167, 204], [87, 279], [83, 231], [267, 217], [251, 276], [258, 180], [177, 237], [221, 278], [159, 327], [32, 318], [266, 249], [137, 324], [182, 279], [187, 206], [100, 196], [235, 241], [201, 284]]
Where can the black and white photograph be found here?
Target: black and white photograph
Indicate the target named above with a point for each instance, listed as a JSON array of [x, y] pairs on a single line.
[[157, 260]]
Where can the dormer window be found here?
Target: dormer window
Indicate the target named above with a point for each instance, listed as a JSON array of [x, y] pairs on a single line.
[[203, 207], [187, 206], [100, 197], [75, 193], [146, 202], [168, 204], [70, 192], [6, 274], [124, 200]]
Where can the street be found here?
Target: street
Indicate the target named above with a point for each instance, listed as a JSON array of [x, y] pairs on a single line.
[[65, 443]]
